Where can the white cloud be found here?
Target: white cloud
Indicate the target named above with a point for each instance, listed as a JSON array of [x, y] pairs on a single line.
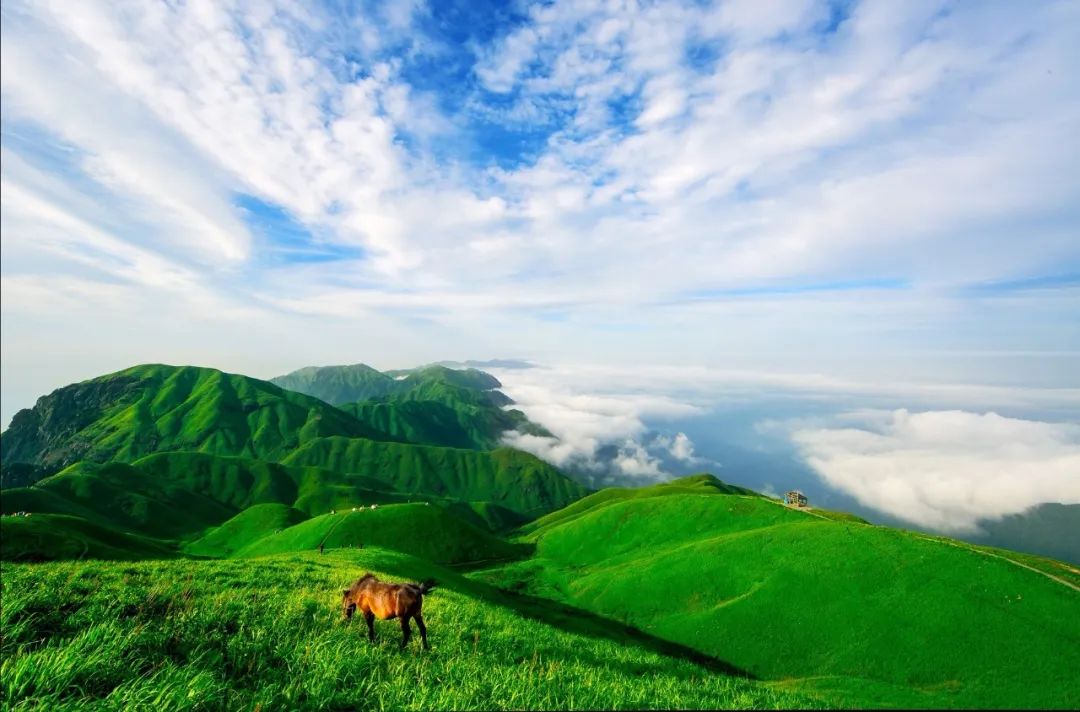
[[946, 470], [597, 433], [681, 448]]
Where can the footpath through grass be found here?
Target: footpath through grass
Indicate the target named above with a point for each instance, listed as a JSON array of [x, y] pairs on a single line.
[[267, 634]]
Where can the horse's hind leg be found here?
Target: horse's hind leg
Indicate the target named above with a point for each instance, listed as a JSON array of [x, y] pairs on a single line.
[[369, 618], [423, 630], [406, 631]]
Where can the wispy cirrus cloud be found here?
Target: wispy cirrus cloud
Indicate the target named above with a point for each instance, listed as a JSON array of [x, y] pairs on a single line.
[[602, 178]]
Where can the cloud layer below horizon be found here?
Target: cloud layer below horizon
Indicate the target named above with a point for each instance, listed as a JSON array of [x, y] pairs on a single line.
[[945, 465], [946, 470]]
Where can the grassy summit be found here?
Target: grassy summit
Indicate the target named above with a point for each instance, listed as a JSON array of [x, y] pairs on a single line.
[[421, 529]]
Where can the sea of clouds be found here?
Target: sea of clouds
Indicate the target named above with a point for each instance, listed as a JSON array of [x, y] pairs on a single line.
[[930, 463]]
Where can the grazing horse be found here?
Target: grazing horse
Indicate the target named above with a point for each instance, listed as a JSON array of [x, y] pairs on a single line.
[[386, 601]]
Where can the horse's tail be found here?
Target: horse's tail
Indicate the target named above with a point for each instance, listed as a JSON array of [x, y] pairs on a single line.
[[427, 585]]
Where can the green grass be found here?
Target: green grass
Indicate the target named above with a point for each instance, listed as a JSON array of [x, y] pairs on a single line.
[[704, 484], [180, 495], [510, 478], [267, 634], [445, 420], [123, 497], [42, 537], [426, 531], [251, 525], [866, 615]]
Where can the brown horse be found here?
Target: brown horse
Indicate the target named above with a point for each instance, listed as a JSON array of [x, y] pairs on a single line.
[[386, 601]]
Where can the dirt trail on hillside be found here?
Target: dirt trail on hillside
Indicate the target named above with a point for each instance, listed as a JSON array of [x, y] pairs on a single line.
[[958, 545], [1014, 562]]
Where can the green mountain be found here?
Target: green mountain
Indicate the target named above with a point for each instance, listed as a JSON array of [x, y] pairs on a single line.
[[338, 384], [859, 614], [703, 483], [432, 405], [230, 438], [183, 496], [146, 409], [42, 537], [247, 527], [423, 530], [510, 478], [445, 421], [360, 382]]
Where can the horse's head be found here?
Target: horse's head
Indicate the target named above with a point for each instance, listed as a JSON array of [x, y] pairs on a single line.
[[348, 605]]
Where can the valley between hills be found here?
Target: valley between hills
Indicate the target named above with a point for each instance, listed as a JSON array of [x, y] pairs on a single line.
[[178, 538]]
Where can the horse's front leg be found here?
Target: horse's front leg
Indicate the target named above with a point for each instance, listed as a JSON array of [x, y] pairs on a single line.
[[406, 631], [369, 618]]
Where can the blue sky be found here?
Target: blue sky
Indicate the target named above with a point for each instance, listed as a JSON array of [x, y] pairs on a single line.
[[872, 206], [838, 187]]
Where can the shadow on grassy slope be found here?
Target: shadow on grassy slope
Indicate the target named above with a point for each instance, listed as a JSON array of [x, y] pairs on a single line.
[[582, 622], [565, 617]]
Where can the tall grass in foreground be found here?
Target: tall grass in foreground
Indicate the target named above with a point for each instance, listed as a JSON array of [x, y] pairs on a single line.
[[267, 634]]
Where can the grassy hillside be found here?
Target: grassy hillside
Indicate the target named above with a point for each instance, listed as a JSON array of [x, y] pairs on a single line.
[[692, 484], [146, 409], [251, 525], [447, 422], [123, 497], [424, 422], [510, 478], [267, 634], [44, 537], [206, 443], [423, 530], [181, 495], [865, 615]]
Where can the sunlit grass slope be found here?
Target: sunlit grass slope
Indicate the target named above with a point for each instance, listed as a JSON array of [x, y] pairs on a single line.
[[267, 634], [510, 478], [423, 530], [226, 503], [874, 616], [692, 484], [251, 525]]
